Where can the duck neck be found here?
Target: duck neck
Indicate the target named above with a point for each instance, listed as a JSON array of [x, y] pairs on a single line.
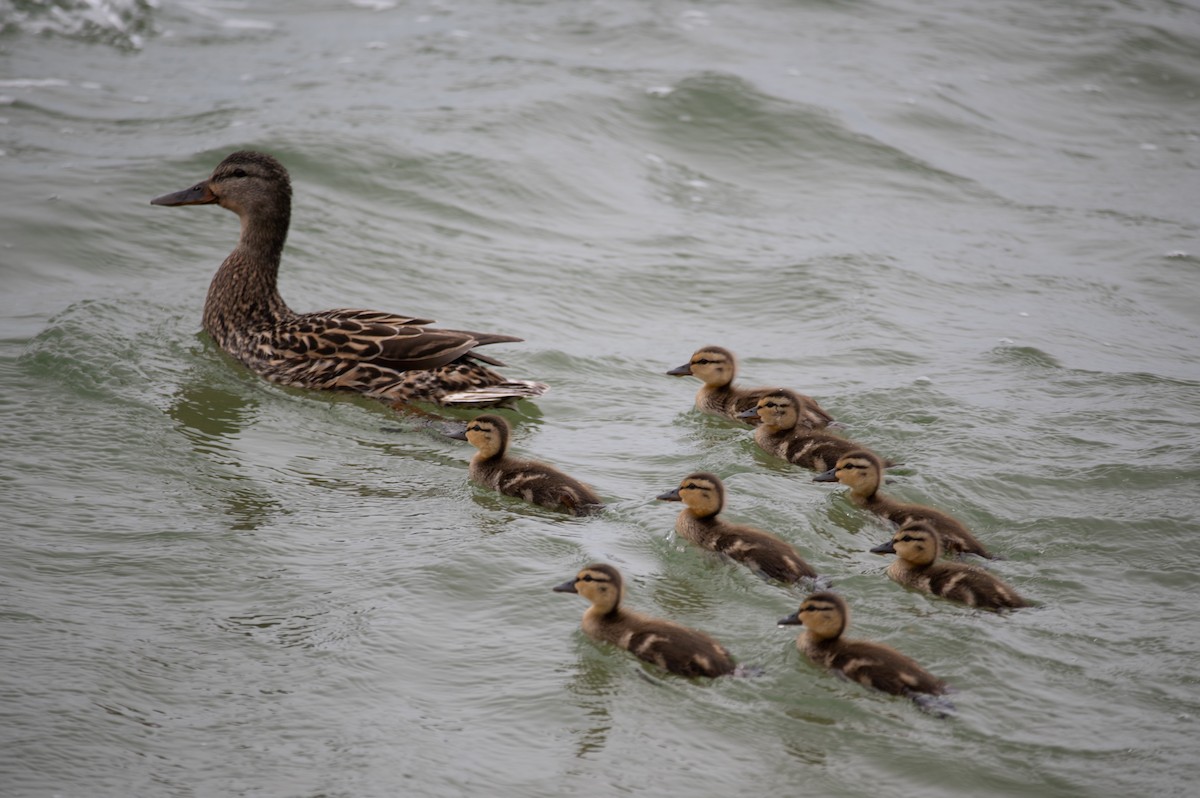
[[868, 496], [244, 291], [604, 612]]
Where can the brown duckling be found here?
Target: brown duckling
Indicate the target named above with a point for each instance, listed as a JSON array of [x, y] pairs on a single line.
[[918, 549], [530, 480], [825, 617], [716, 367], [393, 358], [862, 471], [780, 432], [703, 497], [668, 645]]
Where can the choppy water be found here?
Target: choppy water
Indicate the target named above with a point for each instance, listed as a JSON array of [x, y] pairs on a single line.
[[969, 229]]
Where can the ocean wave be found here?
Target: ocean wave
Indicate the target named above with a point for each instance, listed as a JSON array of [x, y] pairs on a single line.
[[120, 23]]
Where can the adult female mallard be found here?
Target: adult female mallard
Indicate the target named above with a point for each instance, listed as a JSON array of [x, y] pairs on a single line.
[[700, 522], [862, 472], [397, 359], [668, 645], [918, 565], [716, 367]]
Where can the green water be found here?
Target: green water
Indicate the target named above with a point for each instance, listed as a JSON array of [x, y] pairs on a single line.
[[970, 231]]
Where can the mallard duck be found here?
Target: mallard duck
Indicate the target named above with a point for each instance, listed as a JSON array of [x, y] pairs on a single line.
[[918, 549], [530, 480], [716, 367], [862, 471], [397, 359], [825, 617], [703, 497], [668, 645], [780, 432]]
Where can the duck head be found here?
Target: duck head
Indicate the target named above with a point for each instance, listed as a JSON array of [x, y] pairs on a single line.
[[487, 433], [861, 471], [702, 493], [777, 410], [916, 542], [825, 615], [247, 183], [599, 583], [713, 365]]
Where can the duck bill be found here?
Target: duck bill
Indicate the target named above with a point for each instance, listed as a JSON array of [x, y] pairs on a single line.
[[681, 371], [751, 414], [884, 548], [565, 587], [669, 496], [791, 620], [826, 476], [199, 194], [458, 434]]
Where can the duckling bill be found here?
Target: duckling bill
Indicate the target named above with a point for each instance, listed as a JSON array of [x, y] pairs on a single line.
[[533, 481], [703, 497], [394, 358], [670, 646]]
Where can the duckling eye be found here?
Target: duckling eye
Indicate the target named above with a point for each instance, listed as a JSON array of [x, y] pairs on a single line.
[[239, 172], [701, 362], [586, 578]]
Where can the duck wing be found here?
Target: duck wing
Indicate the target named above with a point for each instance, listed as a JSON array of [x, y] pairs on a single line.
[[881, 667], [401, 343]]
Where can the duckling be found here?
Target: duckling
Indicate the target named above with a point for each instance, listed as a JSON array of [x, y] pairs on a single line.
[[716, 368], [862, 471], [918, 548], [668, 645], [825, 617], [780, 432], [530, 480], [393, 358], [703, 497]]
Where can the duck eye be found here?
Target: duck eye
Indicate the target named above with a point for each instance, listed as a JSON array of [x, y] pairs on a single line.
[[586, 578], [239, 172]]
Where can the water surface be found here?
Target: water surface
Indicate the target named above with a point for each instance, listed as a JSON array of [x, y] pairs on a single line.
[[969, 230]]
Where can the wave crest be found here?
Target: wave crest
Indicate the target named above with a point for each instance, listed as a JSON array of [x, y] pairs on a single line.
[[120, 23]]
